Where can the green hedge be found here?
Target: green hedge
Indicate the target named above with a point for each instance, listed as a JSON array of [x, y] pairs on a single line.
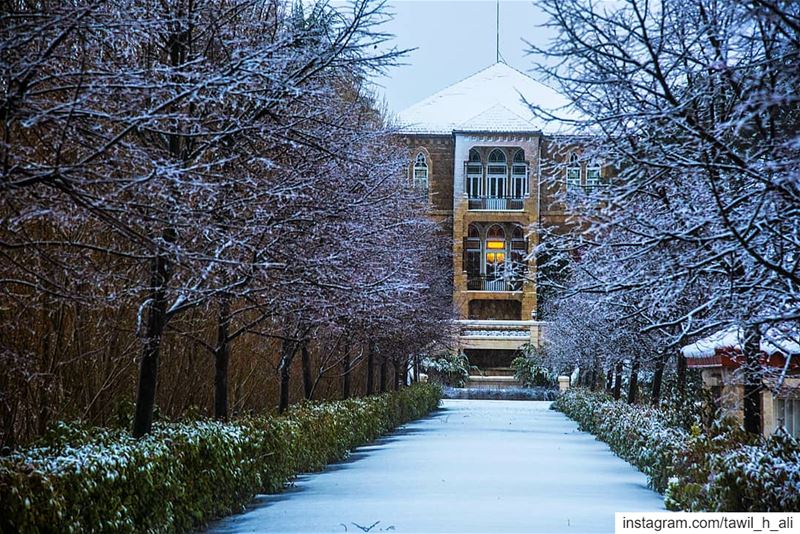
[[184, 474], [717, 469]]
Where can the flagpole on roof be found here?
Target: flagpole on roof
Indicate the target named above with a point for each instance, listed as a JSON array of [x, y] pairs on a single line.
[[497, 43]]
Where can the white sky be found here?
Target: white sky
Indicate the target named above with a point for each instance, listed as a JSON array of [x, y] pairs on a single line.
[[455, 39]]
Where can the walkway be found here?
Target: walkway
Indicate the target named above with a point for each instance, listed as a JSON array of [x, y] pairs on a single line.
[[474, 466]]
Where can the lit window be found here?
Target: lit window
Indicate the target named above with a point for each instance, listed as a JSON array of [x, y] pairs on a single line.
[[421, 173], [573, 172]]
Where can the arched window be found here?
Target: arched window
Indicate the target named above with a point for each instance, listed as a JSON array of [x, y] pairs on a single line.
[[496, 250], [519, 175], [490, 251], [497, 156], [519, 249], [472, 252], [420, 179], [593, 175], [496, 175], [573, 172], [474, 175]]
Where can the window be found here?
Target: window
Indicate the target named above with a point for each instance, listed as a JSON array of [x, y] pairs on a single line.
[[593, 175], [474, 175], [494, 255], [573, 172], [787, 415], [472, 262], [421, 173], [519, 175], [496, 174], [495, 258]]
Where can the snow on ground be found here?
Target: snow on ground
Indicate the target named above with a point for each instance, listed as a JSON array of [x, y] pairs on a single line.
[[474, 466]]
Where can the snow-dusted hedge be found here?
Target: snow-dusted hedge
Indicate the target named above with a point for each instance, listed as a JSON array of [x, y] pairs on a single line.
[[186, 473], [719, 470]]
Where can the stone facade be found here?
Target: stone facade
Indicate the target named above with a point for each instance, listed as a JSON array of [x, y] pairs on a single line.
[[494, 214]]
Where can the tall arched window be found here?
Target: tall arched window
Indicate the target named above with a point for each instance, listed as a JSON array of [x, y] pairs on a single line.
[[519, 250], [496, 175], [496, 251], [420, 178], [472, 252], [573, 172], [474, 175], [593, 175], [519, 175]]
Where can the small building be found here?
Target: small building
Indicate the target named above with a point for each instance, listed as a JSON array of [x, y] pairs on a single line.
[[720, 358]]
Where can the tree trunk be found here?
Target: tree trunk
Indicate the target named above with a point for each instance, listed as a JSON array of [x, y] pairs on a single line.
[[752, 382], [396, 365], [383, 371], [681, 371], [221, 359], [370, 367], [154, 331], [308, 382], [617, 380], [596, 374], [633, 385], [609, 379], [346, 374], [658, 378], [288, 348]]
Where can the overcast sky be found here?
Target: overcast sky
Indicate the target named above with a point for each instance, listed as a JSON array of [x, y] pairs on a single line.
[[455, 39]]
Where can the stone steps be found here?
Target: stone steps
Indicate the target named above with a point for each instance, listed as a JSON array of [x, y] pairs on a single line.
[[478, 381], [495, 371]]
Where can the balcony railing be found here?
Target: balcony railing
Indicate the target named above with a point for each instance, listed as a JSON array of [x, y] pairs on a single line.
[[493, 283], [497, 204]]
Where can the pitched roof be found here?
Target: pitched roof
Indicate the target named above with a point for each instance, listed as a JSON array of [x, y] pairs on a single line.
[[490, 100]]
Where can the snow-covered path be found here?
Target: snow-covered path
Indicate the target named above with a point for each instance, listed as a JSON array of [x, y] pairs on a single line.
[[474, 466]]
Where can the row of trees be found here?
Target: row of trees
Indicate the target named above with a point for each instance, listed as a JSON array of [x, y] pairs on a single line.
[[695, 103], [205, 183]]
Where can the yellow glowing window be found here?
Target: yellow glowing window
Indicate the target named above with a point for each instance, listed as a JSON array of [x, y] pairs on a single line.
[[495, 245], [493, 257]]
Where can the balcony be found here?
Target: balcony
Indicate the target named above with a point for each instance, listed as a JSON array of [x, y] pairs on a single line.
[[495, 334], [477, 282], [496, 204]]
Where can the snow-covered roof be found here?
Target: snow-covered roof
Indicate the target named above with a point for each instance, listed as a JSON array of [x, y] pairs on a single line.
[[490, 100], [733, 338]]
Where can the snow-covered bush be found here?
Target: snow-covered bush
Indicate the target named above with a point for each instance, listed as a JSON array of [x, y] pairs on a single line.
[[183, 474], [762, 477], [451, 369], [637, 434], [530, 371], [719, 468]]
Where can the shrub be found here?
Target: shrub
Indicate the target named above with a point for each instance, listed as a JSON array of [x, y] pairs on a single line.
[[719, 468], [184, 474], [451, 369], [531, 372]]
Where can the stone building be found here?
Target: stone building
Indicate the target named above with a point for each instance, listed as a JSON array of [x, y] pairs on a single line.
[[477, 149]]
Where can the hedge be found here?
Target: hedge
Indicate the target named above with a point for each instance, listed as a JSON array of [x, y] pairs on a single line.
[[718, 469], [184, 474]]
